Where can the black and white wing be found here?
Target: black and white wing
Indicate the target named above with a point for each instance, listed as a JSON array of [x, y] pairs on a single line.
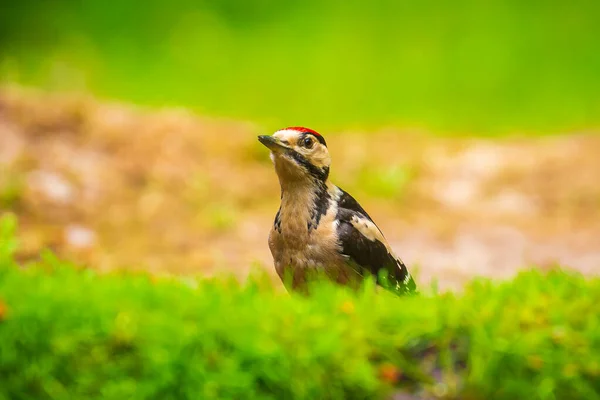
[[364, 245]]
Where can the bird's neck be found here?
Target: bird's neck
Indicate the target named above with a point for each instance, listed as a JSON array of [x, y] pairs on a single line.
[[304, 203]]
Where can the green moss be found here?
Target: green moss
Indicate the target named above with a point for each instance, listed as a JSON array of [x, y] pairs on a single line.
[[70, 333], [8, 242]]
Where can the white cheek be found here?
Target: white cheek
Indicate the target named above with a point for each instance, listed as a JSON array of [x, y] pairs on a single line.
[[272, 156]]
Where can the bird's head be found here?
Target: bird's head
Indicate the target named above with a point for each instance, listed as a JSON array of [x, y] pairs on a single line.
[[299, 154]]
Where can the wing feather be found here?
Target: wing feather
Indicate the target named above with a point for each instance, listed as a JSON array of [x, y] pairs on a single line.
[[364, 244]]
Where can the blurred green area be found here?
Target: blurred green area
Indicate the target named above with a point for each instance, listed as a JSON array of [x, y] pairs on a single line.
[[75, 333], [485, 67]]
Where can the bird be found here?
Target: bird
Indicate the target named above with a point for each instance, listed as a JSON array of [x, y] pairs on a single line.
[[320, 228]]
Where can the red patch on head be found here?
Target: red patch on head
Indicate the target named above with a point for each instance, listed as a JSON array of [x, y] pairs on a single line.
[[303, 130]]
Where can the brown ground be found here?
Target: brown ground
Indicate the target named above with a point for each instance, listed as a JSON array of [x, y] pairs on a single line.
[[117, 186]]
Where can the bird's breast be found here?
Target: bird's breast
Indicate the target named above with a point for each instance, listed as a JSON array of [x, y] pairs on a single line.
[[295, 243]]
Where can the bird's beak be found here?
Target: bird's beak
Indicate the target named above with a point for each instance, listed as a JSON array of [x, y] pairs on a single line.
[[271, 142]]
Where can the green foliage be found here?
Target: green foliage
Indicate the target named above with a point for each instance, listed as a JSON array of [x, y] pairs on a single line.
[[70, 333], [8, 243], [464, 65]]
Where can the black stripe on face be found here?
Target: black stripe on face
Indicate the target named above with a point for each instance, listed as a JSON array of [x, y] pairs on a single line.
[[319, 173]]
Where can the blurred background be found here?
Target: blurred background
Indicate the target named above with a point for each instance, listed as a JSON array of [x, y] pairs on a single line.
[[467, 129], [493, 66]]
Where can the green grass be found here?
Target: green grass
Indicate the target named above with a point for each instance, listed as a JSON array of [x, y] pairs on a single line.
[[71, 333], [487, 67]]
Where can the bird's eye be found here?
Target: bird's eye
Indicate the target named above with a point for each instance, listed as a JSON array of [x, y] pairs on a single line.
[[307, 142]]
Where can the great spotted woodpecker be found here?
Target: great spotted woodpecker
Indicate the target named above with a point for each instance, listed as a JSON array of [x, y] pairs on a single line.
[[321, 228]]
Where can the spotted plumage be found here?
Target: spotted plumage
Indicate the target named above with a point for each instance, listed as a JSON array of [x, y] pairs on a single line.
[[321, 228]]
